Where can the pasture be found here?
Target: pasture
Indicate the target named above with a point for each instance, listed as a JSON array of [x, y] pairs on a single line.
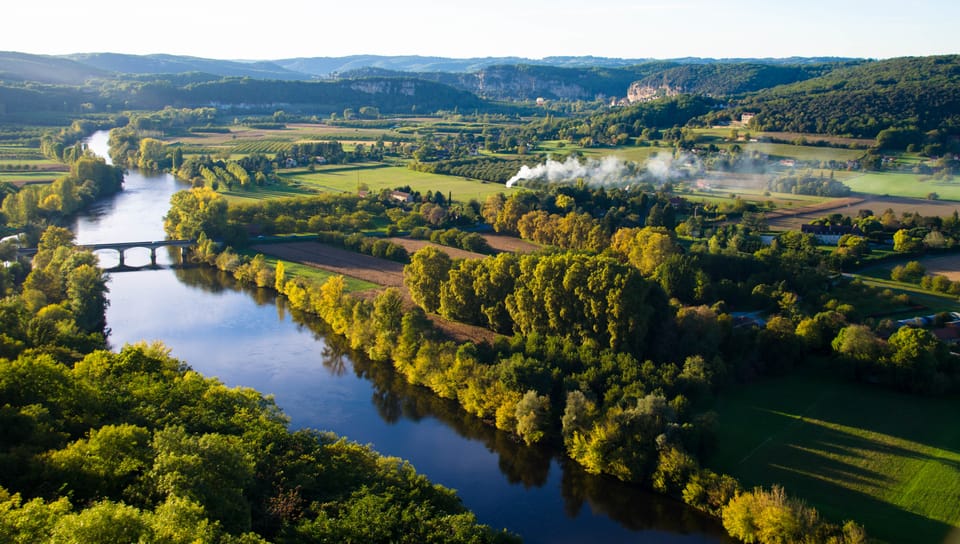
[[904, 185], [21, 178], [377, 176], [887, 460]]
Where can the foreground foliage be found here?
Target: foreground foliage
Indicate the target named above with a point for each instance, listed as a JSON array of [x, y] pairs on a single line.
[[136, 447]]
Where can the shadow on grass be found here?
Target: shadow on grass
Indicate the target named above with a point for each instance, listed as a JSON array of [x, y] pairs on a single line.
[[348, 168], [822, 465], [843, 446]]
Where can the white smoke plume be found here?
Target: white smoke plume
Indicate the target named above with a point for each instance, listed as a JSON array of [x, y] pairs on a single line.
[[605, 171], [610, 170]]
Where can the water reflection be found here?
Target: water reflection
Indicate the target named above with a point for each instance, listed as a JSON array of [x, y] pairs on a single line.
[[395, 399]]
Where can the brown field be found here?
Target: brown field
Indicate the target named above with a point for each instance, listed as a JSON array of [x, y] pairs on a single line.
[[338, 261], [500, 243], [379, 271], [412, 246], [946, 265], [787, 219], [852, 206], [510, 244]]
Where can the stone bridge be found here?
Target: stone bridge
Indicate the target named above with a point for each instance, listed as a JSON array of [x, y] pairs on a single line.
[[120, 247]]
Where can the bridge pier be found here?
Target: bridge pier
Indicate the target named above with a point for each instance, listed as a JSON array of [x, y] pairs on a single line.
[[153, 256], [183, 254], [120, 251]]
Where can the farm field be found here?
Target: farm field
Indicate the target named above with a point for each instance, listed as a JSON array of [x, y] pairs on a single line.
[[887, 460], [720, 133], [26, 178], [337, 261], [876, 204], [377, 176], [904, 185], [945, 265], [368, 270], [295, 269]]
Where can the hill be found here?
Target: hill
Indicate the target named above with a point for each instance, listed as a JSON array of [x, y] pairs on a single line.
[[174, 64], [861, 100], [21, 67]]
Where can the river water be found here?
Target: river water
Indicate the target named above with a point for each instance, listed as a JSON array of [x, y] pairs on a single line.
[[247, 337]]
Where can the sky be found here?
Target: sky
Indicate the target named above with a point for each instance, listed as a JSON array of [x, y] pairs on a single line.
[[532, 29]]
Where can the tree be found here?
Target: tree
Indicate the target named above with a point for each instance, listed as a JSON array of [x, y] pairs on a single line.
[[532, 414], [912, 272], [86, 297], [859, 344], [428, 268], [768, 517], [903, 242], [196, 211], [386, 320], [151, 155], [645, 248], [280, 276]]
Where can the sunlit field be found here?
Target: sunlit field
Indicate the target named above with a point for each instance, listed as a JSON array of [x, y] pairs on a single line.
[[889, 461]]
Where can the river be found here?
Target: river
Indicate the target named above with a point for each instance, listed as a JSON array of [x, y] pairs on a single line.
[[247, 337]]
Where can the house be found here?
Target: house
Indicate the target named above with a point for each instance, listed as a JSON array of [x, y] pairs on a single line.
[[830, 234], [746, 117], [401, 196]]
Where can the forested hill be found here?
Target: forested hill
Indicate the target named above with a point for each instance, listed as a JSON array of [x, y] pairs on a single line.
[[529, 82], [921, 93], [178, 64], [253, 96], [729, 79], [21, 67]]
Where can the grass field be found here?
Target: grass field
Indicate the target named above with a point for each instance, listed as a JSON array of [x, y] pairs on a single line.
[[377, 176], [23, 178], [889, 461], [908, 185]]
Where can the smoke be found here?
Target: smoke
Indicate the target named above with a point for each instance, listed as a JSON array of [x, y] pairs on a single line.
[[610, 170], [605, 171]]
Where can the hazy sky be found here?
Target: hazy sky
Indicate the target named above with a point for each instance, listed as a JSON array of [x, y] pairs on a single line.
[[480, 28]]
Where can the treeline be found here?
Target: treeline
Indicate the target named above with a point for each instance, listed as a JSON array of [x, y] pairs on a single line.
[[35, 206], [469, 241], [375, 247], [618, 125], [808, 184], [485, 168]]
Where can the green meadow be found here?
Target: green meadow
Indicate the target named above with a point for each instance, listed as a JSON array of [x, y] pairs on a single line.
[[377, 176], [889, 461], [907, 185], [23, 177]]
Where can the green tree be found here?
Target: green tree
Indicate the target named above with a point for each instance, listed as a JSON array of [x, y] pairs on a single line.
[[86, 297], [196, 211], [533, 416], [428, 268]]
